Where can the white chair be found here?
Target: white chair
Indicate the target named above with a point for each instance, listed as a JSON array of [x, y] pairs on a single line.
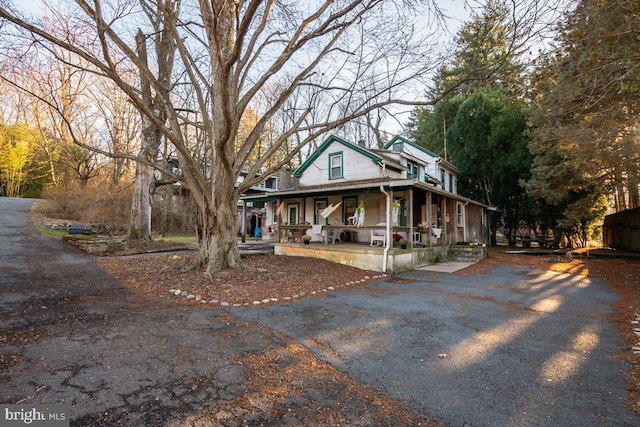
[[316, 233], [334, 235], [416, 237], [379, 236]]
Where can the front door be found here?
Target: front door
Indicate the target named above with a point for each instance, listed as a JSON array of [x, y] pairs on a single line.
[[293, 214]]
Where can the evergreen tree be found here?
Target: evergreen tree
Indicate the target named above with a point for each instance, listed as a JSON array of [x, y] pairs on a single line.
[[489, 143], [479, 123], [585, 140]]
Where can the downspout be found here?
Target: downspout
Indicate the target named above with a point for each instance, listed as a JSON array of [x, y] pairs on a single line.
[[387, 231], [464, 223], [384, 167]]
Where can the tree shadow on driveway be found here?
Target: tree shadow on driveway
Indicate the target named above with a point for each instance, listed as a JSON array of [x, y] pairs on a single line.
[[513, 346]]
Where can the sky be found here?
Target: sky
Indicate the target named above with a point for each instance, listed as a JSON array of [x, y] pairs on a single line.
[[456, 11]]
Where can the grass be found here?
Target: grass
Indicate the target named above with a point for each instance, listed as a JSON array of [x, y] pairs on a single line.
[[53, 233], [43, 206], [178, 239]]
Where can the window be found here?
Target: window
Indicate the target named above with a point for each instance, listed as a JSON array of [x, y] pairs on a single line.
[[442, 176], [414, 170], [349, 207], [450, 183], [460, 214], [335, 166], [271, 182], [293, 213], [319, 206]]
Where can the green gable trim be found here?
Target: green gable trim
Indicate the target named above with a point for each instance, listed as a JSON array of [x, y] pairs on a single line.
[[325, 145], [401, 140]]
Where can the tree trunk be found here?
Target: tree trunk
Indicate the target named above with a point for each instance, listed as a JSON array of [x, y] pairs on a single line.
[[634, 193], [218, 248], [144, 184], [142, 203]]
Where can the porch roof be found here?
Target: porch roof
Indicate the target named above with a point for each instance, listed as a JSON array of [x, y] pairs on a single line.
[[351, 186]]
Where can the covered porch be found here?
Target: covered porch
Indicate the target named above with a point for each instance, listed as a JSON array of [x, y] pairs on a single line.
[[357, 223]]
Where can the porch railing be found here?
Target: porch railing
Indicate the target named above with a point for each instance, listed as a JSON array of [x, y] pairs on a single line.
[[286, 232]]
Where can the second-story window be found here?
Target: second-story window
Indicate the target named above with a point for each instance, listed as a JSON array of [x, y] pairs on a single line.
[[413, 171], [335, 166], [450, 183], [271, 182]]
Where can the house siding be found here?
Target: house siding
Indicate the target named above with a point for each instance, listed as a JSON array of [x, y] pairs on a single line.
[[456, 219], [356, 166]]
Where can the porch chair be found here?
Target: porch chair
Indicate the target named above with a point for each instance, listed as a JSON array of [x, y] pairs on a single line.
[[378, 236], [316, 233], [334, 235]]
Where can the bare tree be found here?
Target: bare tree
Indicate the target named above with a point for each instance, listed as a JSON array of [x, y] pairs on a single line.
[[119, 128], [58, 111], [339, 59], [152, 95]]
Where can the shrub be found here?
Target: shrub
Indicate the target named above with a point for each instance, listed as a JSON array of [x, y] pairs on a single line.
[[108, 208], [101, 205]]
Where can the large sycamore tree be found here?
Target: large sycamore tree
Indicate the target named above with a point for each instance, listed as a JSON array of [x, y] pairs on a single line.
[[334, 60]]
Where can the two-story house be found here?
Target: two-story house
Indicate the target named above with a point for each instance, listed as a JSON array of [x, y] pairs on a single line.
[[402, 189]]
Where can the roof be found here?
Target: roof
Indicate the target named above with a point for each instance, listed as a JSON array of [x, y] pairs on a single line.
[[398, 139], [349, 186]]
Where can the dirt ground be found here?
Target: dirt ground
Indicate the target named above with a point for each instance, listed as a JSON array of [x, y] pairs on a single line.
[[271, 279]]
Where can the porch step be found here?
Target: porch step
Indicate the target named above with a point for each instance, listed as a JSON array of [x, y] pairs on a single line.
[[465, 253]]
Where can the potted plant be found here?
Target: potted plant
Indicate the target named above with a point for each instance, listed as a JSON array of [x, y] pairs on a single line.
[[359, 215], [306, 239], [403, 243]]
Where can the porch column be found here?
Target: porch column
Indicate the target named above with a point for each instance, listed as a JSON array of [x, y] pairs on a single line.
[[410, 236], [445, 228], [427, 216], [278, 219]]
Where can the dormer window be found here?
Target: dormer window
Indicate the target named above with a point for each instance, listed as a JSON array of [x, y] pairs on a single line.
[[335, 166], [413, 171]]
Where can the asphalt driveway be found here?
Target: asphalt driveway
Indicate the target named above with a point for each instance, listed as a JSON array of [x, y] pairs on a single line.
[[512, 347]]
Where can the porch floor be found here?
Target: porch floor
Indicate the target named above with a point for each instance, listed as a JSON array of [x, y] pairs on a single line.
[[365, 256]]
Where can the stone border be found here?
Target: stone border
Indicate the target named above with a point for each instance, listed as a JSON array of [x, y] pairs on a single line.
[[199, 299], [636, 330]]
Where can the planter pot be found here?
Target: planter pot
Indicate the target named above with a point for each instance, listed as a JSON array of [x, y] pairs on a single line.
[[306, 242]]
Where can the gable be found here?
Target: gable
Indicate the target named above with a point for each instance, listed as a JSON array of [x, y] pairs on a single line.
[[398, 140], [331, 140]]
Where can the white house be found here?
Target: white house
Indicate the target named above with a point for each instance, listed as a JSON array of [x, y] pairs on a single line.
[[404, 190]]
